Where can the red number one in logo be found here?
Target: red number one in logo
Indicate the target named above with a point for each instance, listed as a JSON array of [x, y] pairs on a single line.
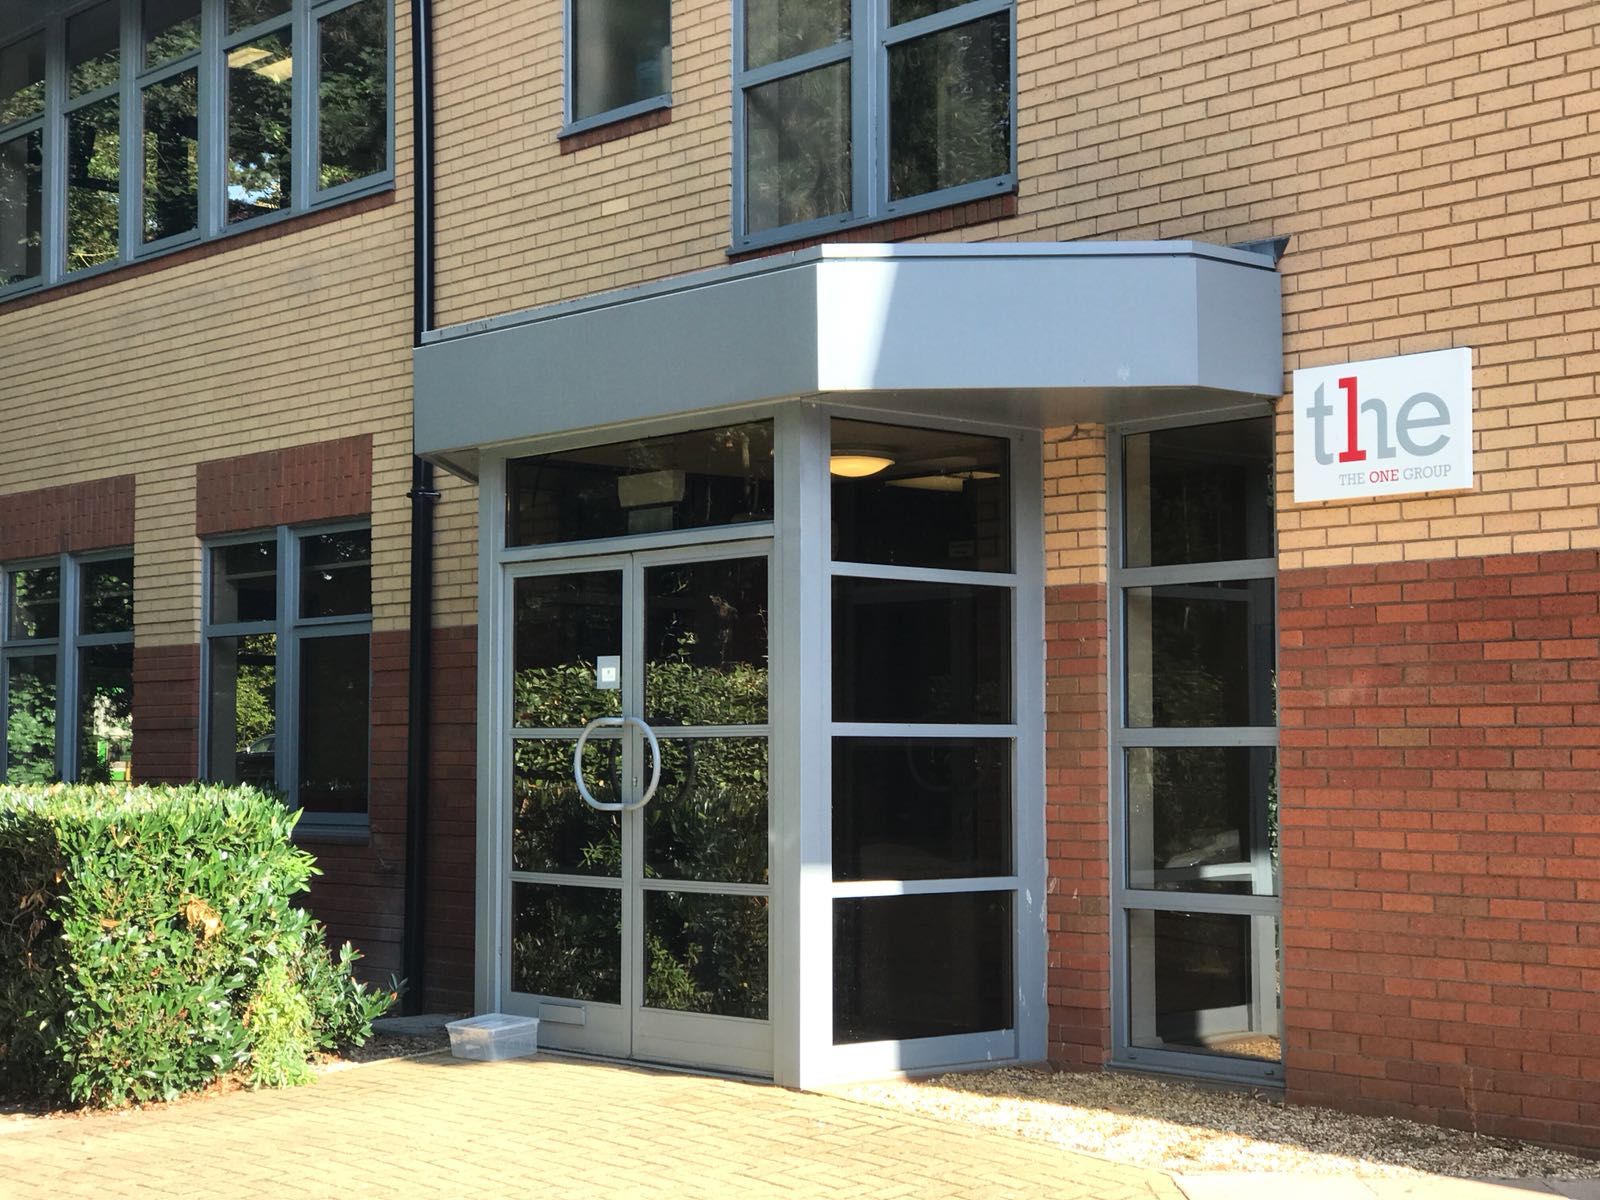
[[1353, 453]]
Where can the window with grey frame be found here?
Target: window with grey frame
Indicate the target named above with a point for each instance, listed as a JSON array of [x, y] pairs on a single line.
[[288, 672], [848, 112], [618, 58], [131, 127], [66, 670], [1194, 750]]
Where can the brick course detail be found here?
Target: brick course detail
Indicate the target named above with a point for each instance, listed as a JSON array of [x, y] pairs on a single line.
[[1440, 779], [70, 519], [318, 481], [166, 713]]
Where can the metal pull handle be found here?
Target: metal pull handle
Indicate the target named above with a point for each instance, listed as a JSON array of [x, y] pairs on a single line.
[[655, 763]]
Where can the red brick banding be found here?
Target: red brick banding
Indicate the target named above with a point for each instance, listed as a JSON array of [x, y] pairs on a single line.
[[571, 143], [318, 481], [71, 519], [166, 713]]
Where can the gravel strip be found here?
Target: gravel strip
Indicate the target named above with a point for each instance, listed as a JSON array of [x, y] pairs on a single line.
[[1180, 1127]]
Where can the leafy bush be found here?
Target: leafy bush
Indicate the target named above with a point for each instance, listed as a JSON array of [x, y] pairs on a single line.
[[149, 945]]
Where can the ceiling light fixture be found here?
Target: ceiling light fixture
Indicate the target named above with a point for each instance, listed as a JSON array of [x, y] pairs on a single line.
[[858, 464]]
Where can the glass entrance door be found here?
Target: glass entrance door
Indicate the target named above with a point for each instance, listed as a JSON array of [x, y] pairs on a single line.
[[638, 805]]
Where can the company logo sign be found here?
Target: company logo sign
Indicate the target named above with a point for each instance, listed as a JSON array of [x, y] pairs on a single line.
[[1383, 427]]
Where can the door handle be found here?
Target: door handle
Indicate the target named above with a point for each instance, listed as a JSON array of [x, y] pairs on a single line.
[[655, 763]]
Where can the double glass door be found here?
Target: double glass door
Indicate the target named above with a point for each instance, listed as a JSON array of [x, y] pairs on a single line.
[[638, 805]]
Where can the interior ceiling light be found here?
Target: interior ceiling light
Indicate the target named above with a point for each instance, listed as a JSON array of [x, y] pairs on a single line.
[[858, 464], [955, 481], [245, 55]]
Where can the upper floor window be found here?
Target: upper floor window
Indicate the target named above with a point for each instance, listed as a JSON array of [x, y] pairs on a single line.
[[130, 128], [619, 60], [835, 125]]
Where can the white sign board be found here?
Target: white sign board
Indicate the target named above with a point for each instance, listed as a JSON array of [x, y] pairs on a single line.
[[1383, 427]]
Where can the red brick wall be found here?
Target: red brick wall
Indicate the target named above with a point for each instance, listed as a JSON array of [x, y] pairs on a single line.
[[166, 713], [1441, 841], [1076, 833], [318, 481], [71, 519]]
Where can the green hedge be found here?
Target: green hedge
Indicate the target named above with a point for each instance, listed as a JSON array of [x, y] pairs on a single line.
[[149, 945]]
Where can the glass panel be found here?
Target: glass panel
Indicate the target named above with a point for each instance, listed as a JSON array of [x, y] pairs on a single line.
[[1204, 981], [902, 11], [335, 698], [260, 101], [1198, 494], [31, 719], [921, 808], [620, 53], [566, 942], [706, 642], [706, 954], [22, 79], [336, 574], [778, 29], [244, 582], [94, 43], [920, 497], [243, 723], [94, 198], [797, 148], [244, 13], [105, 715], [1201, 654], [21, 207], [563, 625], [950, 107], [107, 602], [552, 829], [171, 156], [1203, 819], [921, 966], [353, 94], [171, 30], [682, 481], [708, 820], [35, 603], [906, 651]]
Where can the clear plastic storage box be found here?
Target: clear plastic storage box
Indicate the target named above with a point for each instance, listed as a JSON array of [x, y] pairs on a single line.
[[494, 1036]]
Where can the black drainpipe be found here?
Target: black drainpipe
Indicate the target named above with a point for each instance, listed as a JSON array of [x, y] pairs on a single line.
[[424, 496]]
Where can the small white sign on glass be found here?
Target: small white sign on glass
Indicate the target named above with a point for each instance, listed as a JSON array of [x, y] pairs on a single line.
[[1383, 427]]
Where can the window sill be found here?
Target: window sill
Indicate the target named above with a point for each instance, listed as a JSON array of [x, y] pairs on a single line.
[[353, 832], [627, 122], [957, 215]]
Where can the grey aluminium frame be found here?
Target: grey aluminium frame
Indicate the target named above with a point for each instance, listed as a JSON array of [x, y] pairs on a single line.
[[570, 124], [1124, 897]]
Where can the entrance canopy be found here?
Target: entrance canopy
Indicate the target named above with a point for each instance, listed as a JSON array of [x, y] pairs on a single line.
[[1030, 335]]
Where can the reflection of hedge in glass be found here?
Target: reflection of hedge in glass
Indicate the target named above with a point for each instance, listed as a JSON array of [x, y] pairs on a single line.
[[31, 720], [353, 94], [567, 941], [708, 820], [552, 829], [706, 954], [105, 715]]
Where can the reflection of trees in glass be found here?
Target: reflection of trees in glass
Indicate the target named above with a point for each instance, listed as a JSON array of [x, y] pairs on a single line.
[[260, 115], [21, 206], [706, 954], [708, 820], [94, 45], [797, 148], [244, 13], [107, 600], [31, 720], [950, 108], [94, 154], [22, 79], [171, 156], [35, 603], [171, 30], [353, 94], [105, 726], [255, 689], [778, 29]]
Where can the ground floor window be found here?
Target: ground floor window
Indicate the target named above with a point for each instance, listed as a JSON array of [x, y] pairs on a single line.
[[66, 669]]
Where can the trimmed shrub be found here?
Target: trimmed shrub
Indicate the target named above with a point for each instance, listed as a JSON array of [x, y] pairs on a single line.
[[149, 945]]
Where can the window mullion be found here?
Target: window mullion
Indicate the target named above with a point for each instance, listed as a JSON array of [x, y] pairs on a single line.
[[67, 732], [302, 153], [866, 26], [53, 222], [287, 741], [131, 164]]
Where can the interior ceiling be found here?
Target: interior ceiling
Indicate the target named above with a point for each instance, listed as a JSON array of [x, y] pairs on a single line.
[[19, 14]]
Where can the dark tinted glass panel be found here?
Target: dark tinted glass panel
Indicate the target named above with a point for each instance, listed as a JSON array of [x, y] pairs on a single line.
[[35, 603], [22, 79], [706, 954], [1199, 494], [552, 829], [260, 88], [31, 719], [708, 820], [901, 11], [706, 641], [797, 148], [353, 94], [105, 714], [335, 693], [107, 601], [94, 197], [1203, 819], [244, 13], [620, 52], [244, 582], [94, 42], [566, 942], [921, 808], [1200, 654], [336, 574], [563, 625], [243, 715], [1203, 981], [920, 497], [171, 156], [921, 652], [950, 107], [778, 29], [21, 207], [682, 481], [171, 29], [921, 966]]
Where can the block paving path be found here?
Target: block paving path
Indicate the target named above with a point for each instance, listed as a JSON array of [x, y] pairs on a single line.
[[545, 1127]]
